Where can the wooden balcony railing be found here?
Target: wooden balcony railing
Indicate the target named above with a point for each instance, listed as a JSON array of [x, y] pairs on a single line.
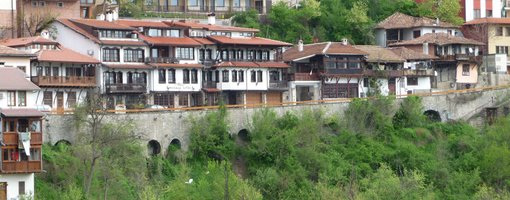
[[209, 84], [161, 60], [304, 77], [126, 88], [383, 73], [12, 138], [344, 71], [21, 166], [199, 9], [72, 81], [419, 72], [278, 85], [460, 57]]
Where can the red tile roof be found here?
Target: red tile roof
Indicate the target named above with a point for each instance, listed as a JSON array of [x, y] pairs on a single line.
[[12, 52], [253, 41], [142, 23], [310, 50], [170, 41], [128, 66], [20, 112], [269, 64], [209, 27], [123, 42], [102, 24], [272, 64], [68, 23], [14, 79], [26, 41], [211, 89], [489, 21], [380, 54], [75, 25], [410, 54], [204, 41], [65, 55], [400, 20], [439, 39], [174, 65]]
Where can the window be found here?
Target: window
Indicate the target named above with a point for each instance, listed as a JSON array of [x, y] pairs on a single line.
[[110, 55], [174, 33], [183, 99], [48, 98], [416, 34], [253, 76], [22, 98], [133, 55], [193, 2], [259, 76], [476, 13], [164, 99], [71, 99], [488, 13], [47, 71], [174, 2], [194, 76], [201, 54], [234, 76], [171, 75], [11, 98], [217, 76], [185, 53], [241, 75], [465, 70], [35, 154], [21, 188], [412, 80], [114, 34], [507, 31], [60, 4], [22, 68], [162, 75], [220, 3], [34, 3], [154, 32], [499, 31], [274, 75], [250, 55], [55, 71], [502, 50], [225, 76], [185, 76], [42, 3], [237, 3]]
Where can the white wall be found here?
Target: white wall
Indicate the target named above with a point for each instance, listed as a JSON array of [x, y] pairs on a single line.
[[179, 85], [469, 10], [16, 62], [380, 37], [81, 94], [13, 180], [75, 41], [30, 101], [8, 4], [247, 84], [423, 84]]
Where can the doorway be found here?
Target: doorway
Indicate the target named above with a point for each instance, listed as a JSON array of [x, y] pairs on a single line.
[[392, 86], [60, 100]]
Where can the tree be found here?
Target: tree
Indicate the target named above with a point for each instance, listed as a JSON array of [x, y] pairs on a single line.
[[445, 10], [410, 113]]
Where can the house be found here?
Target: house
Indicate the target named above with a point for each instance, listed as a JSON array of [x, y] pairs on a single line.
[[21, 133], [325, 70], [206, 6], [418, 70], [10, 57], [65, 76], [458, 58], [400, 27], [123, 75]]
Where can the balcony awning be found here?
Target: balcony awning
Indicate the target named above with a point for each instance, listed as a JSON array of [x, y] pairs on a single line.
[[211, 90], [20, 112]]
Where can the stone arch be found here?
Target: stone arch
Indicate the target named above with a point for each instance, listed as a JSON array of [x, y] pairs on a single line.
[[63, 142], [433, 115], [153, 147], [243, 135], [175, 144]]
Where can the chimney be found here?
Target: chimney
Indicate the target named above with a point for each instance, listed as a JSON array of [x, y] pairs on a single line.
[[109, 16], [345, 41], [211, 19], [300, 45], [45, 34], [426, 48], [100, 17]]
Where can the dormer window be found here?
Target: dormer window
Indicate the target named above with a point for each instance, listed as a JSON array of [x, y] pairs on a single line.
[[114, 34]]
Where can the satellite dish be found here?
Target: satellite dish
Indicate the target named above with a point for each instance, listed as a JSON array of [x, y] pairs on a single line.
[[45, 34]]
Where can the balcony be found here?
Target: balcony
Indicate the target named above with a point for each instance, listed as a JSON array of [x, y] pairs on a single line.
[[21, 166], [305, 77], [460, 57], [126, 88], [11, 138], [65, 81], [207, 63], [199, 9], [278, 85], [209, 84], [161, 60], [419, 72], [344, 71], [383, 73]]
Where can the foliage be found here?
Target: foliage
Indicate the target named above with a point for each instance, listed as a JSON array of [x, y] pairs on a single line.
[[445, 10], [410, 113], [249, 19]]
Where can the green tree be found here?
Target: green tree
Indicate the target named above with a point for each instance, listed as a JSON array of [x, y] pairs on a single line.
[[445, 10], [410, 114]]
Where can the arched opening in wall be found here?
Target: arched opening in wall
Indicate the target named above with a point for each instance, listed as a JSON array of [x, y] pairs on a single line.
[[154, 148], [175, 145], [243, 137], [174, 152], [433, 115], [63, 143]]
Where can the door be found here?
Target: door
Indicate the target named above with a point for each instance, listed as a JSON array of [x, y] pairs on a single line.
[[60, 100], [392, 86], [3, 191], [253, 98], [232, 98], [303, 93], [274, 98]]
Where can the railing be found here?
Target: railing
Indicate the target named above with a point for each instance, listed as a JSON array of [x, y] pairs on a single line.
[[460, 57], [207, 63], [344, 71], [383, 73], [21, 166], [280, 85], [126, 88], [305, 77], [200, 8], [161, 60], [78, 81], [12, 138], [419, 72], [209, 84]]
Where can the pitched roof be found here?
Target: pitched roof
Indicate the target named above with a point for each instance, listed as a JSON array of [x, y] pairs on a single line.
[[128, 66], [439, 39], [269, 64], [209, 27], [142, 23], [14, 79], [68, 23], [11, 52], [380, 54], [102, 24], [173, 41], [252, 41], [20, 112], [15, 42], [310, 50], [123, 42], [64, 55], [410, 54], [400, 20], [489, 21], [204, 41]]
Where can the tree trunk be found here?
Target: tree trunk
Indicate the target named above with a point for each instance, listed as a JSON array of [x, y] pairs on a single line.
[[105, 188], [90, 176]]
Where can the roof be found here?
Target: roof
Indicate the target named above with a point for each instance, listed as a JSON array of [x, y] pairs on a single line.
[[11, 52], [323, 48], [174, 65], [15, 42], [64, 55], [20, 112], [209, 27], [488, 21], [204, 41], [400, 20], [123, 42], [380, 54], [409, 54], [173, 41], [68, 23], [14, 79], [252, 64], [439, 39], [255, 41], [128, 66], [142, 23], [102, 24]]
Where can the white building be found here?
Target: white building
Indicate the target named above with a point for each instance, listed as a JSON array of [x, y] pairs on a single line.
[[474, 9]]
